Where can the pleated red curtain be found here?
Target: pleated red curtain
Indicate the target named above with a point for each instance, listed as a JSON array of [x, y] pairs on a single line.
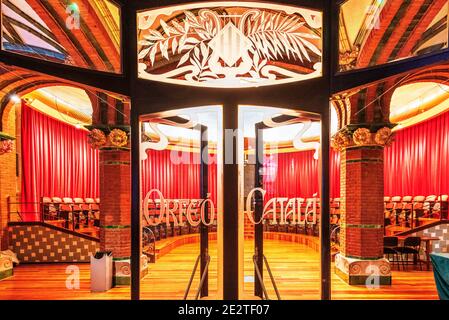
[[416, 163], [57, 161], [176, 174], [296, 174]]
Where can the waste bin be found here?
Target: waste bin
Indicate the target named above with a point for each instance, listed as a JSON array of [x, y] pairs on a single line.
[[101, 271]]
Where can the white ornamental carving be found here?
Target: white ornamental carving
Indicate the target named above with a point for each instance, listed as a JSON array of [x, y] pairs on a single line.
[[230, 46]]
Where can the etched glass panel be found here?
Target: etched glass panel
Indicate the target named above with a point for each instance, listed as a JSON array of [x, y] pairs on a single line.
[[231, 45], [281, 206], [181, 203]]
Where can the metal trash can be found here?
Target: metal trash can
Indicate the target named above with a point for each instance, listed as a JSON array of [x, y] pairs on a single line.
[[101, 271]]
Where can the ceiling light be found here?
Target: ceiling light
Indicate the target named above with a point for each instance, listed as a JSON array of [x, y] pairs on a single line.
[[15, 98]]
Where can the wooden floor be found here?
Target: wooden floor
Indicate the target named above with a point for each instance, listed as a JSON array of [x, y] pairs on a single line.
[[295, 268]]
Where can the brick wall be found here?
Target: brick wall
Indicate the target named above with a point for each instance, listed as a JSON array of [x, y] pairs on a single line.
[[7, 175], [362, 202], [115, 207]]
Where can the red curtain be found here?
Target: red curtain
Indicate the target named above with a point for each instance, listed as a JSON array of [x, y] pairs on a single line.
[[57, 161], [416, 163], [296, 174], [176, 174]]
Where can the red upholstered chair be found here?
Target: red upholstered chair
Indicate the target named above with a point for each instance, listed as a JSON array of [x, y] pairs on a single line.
[[418, 210], [310, 221], [282, 227], [64, 211], [300, 225], [85, 209], [390, 213], [407, 209], [429, 203], [48, 209], [67, 211], [441, 208], [56, 200], [94, 211], [397, 208], [79, 213]]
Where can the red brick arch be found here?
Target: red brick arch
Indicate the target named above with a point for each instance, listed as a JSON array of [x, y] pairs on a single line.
[[22, 87]]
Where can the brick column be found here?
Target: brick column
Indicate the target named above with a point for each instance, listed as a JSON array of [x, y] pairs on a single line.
[[8, 185], [115, 209], [361, 260], [7, 189]]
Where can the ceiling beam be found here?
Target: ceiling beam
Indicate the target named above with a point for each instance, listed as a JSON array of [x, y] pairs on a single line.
[[105, 81], [357, 79]]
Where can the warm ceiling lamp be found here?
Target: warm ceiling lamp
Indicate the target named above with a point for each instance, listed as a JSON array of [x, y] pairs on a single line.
[[15, 98]]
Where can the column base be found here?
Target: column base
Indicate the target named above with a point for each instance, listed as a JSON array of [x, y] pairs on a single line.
[[122, 271], [363, 272], [6, 267]]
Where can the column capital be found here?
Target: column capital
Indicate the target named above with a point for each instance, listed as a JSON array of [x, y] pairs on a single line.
[[361, 136], [109, 137], [6, 143]]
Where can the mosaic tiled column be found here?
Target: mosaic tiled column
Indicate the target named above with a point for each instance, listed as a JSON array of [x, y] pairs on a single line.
[[361, 260]]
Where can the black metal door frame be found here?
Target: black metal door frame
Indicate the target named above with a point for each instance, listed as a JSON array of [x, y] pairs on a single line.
[[149, 97]]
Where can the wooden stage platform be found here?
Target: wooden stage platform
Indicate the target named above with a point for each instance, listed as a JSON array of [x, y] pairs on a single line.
[[295, 267]]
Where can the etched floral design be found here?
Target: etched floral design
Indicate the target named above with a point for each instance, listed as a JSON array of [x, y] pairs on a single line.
[[6, 146], [217, 45]]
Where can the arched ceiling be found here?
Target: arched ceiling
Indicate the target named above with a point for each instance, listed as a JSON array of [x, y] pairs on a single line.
[[375, 32], [401, 28], [64, 103], [416, 102]]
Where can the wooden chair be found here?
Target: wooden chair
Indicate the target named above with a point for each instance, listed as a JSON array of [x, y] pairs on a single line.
[[389, 211], [429, 203], [411, 246], [67, 211], [79, 216], [64, 211], [397, 208], [444, 207], [407, 208], [390, 245], [417, 210], [94, 211], [49, 211]]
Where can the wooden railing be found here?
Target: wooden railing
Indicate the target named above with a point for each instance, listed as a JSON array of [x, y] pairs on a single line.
[[77, 222]]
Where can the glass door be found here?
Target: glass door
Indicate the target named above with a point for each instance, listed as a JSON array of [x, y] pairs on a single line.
[[180, 174], [280, 203]]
